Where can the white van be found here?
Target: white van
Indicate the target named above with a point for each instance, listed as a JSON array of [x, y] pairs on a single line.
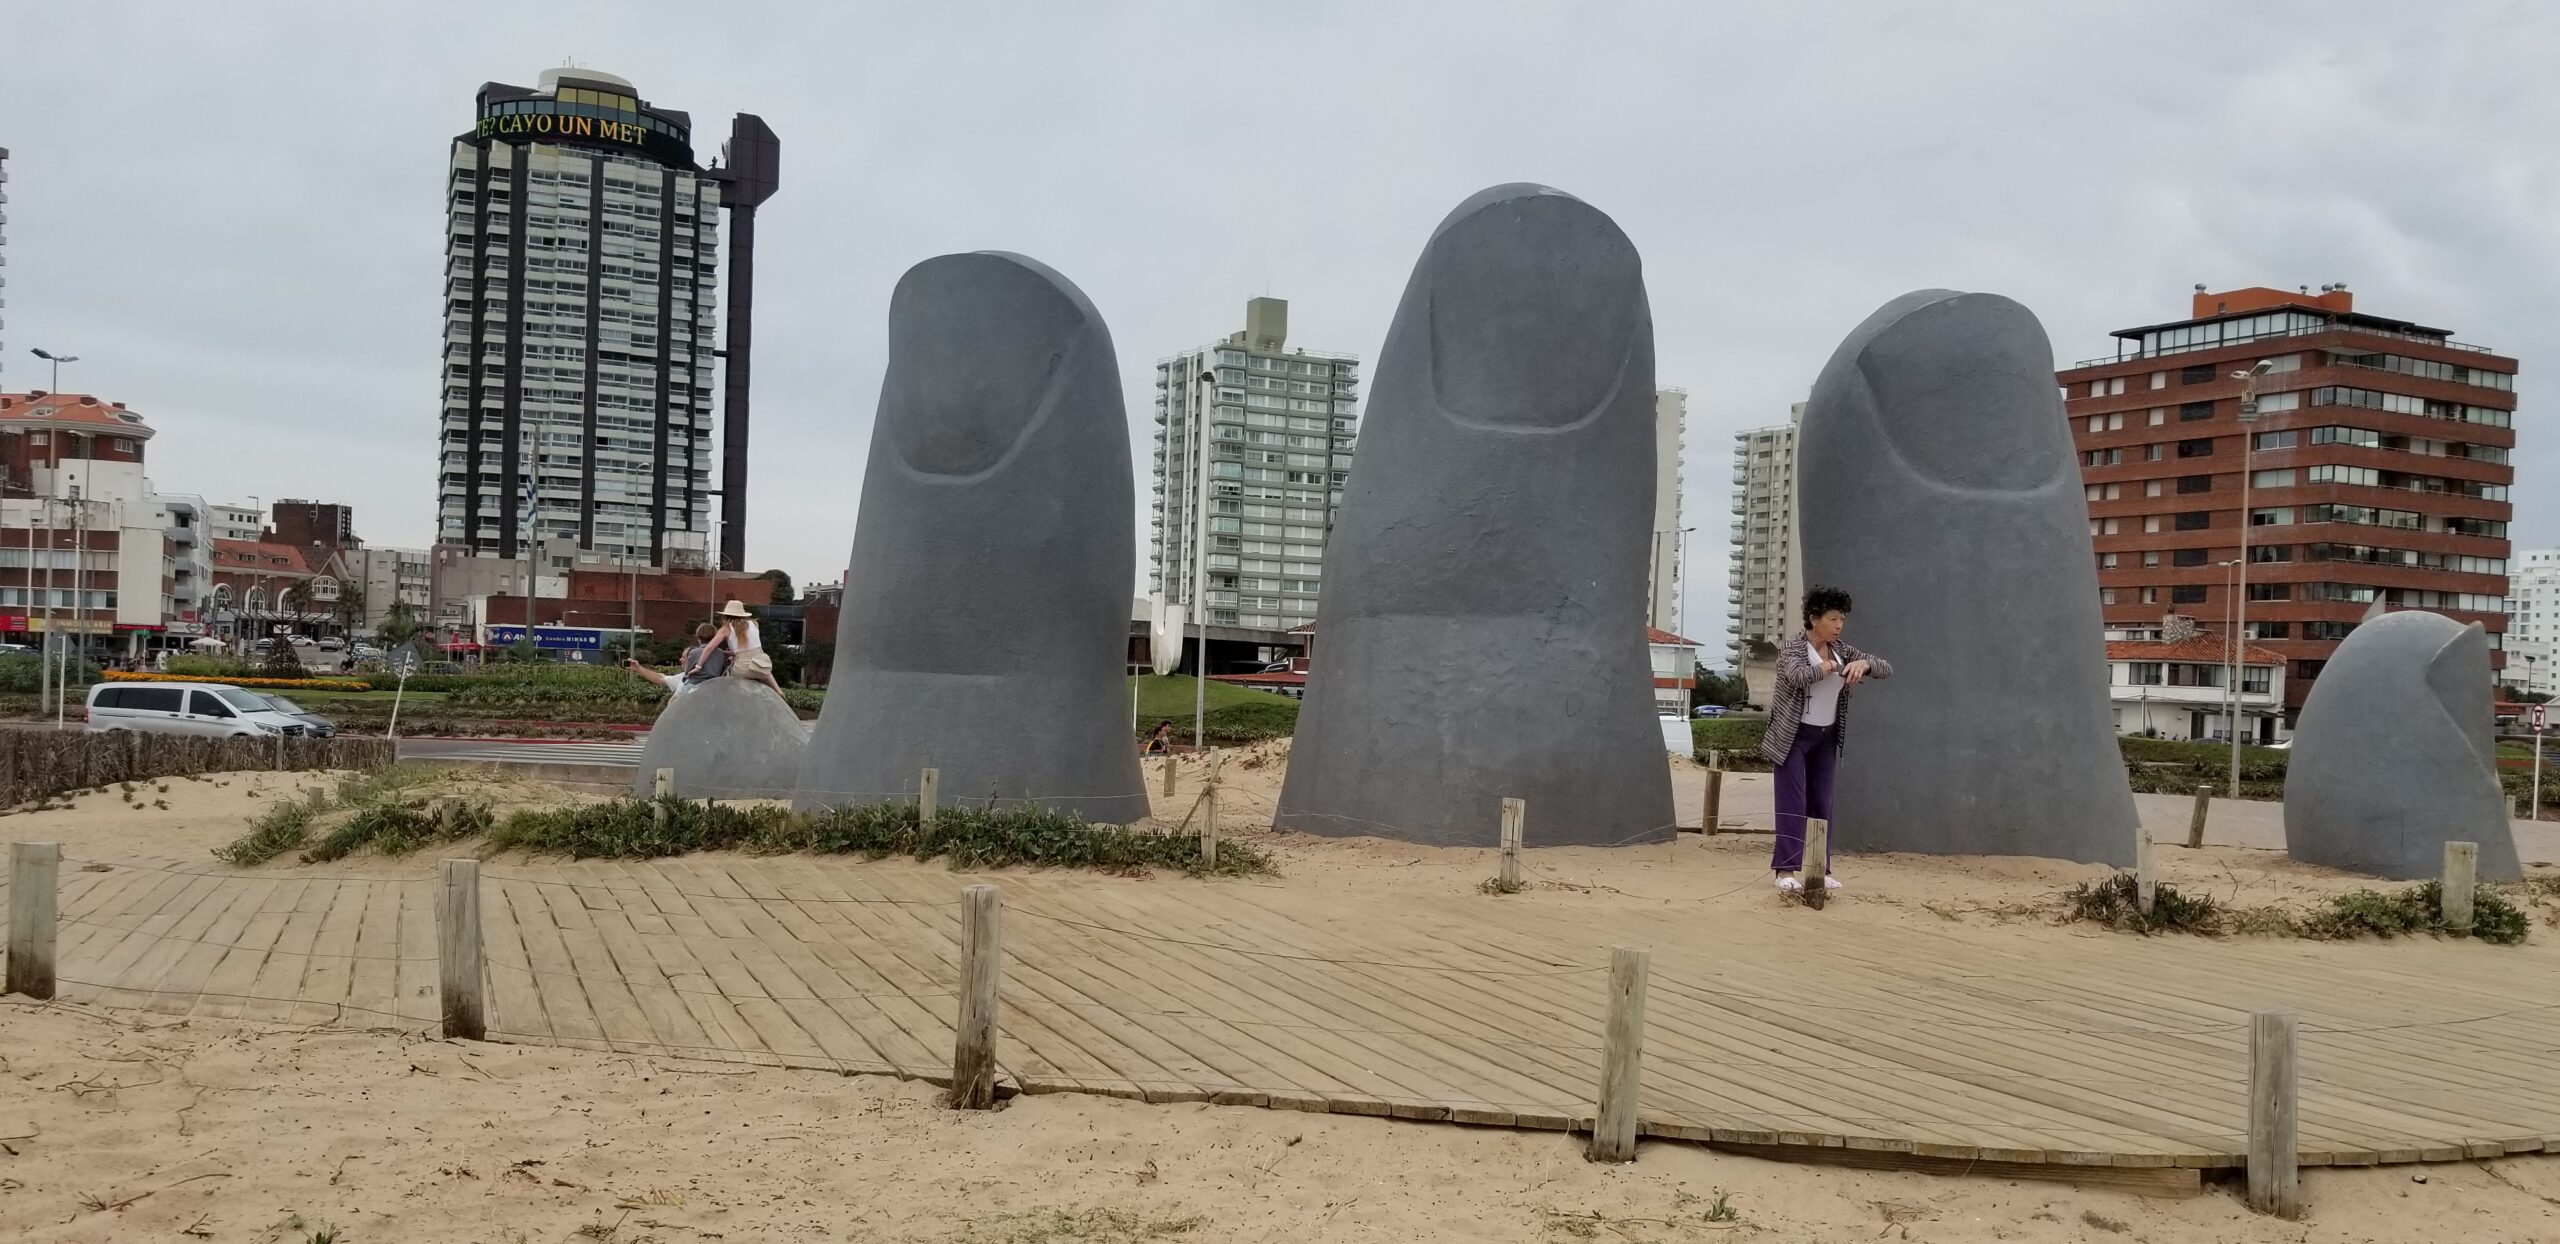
[[201, 708]]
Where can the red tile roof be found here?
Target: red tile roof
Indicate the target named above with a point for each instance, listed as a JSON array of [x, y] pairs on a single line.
[[80, 410], [1276, 678], [2202, 650], [1657, 635], [263, 557]]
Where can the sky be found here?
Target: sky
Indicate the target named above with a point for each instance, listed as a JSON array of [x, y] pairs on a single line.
[[233, 214]]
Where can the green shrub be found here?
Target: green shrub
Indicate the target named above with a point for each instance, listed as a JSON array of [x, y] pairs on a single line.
[[400, 828], [970, 837], [277, 830], [1738, 738], [22, 673], [1234, 724], [2416, 909], [211, 667], [2117, 903]]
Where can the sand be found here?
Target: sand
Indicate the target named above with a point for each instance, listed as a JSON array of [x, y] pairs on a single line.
[[241, 1132]]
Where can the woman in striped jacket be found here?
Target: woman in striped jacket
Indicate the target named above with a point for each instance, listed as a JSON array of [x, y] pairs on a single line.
[[1808, 715]]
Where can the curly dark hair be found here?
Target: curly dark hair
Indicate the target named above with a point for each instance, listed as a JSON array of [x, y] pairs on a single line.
[[1822, 600]]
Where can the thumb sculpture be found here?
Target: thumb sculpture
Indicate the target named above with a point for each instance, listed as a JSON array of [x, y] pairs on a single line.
[[1481, 630], [1940, 490], [2393, 756], [727, 738], [986, 625]]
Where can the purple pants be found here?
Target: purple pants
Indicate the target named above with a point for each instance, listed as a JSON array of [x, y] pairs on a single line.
[[1804, 789]]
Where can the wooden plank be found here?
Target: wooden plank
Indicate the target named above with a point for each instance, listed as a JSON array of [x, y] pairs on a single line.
[[279, 979], [560, 995], [325, 980], [2157, 1181], [617, 1013], [707, 930], [617, 919], [2275, 1177], [228, 988], [175, 990], [373, 980], [690, 976]]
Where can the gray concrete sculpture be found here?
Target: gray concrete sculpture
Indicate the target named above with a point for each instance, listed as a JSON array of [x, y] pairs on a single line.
[[1481, 630], [2394, 756], [726, 739], [1940, 491], [986, 611]]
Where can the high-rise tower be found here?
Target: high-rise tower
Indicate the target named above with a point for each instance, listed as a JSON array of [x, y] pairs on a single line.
[[581, 326]]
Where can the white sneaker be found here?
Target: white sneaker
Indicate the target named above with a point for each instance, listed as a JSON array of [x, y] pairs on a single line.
[[1789, 884], [1830, 882]]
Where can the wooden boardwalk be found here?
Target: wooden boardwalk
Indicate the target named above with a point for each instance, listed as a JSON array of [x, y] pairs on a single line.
[[1764, 1027]]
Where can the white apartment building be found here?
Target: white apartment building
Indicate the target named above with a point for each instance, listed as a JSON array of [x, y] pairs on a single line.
[[86, 549], [393, 576], [2533, 622], [1764, 544], [2181, 688], [582, 251], [235, 522], [1663, 577], [1280, 425], [4, 246]]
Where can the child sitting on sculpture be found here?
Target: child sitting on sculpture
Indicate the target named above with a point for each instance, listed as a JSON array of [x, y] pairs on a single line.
[[702, 662]]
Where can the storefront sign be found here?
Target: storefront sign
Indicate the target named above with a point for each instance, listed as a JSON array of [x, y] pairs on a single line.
[[563, 638]]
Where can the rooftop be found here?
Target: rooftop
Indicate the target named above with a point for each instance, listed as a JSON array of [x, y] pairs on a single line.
[[2202, 650], [78, 410]]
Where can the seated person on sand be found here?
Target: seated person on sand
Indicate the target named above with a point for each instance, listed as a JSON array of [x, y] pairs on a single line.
[[702, 662]]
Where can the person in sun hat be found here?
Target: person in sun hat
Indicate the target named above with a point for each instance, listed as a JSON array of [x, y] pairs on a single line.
[[744, 643]]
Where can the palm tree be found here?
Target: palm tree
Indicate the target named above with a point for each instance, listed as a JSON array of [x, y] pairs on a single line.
[[399, 626]]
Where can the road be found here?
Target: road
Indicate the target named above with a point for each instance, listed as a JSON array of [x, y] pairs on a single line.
[[525, 751]]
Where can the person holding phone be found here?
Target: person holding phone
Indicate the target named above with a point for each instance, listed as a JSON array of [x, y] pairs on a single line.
[[1808, 716]]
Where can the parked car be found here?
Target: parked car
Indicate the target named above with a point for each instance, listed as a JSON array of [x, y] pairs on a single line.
[[313, 724], [1710, 710], [197, 708], [331, 643]]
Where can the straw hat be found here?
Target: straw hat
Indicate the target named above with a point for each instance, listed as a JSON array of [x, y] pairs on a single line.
[[734, 609]]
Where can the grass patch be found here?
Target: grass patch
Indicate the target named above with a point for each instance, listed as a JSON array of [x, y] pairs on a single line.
[[1235, 716], [2417, 909], [969, 837], [288, 825], [2116, 903]]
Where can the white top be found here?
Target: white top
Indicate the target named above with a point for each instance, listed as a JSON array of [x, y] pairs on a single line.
[[728, 638], [1822, 699]]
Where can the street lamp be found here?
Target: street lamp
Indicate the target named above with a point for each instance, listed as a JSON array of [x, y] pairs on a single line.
[[2231, 642], [57, 360], [1208, 380], [2240, 577]]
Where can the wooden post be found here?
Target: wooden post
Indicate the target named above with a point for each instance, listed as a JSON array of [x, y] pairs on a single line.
[[2146, 883], [1817, 862], [2461, 875], [32, 870], [458, 967], [1209, 825], [1715, 801], [1168, 775], [928, 796], [973, 1048], [2275, 1176], [662, 783], [1715, 760], [1514, 813], [2195, 820], [1613, 1134]]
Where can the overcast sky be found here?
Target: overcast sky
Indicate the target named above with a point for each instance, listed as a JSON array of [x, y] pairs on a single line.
[[233, 213]]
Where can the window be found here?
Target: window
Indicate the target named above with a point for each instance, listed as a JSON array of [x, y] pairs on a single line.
[[2151, 488], [2191, 674], [2150, 523], [2189, 412], [2150, 558], [2195, 483], [2327, 474], [2364, 437], [2271, 591], [2271, 553], [155, 699], [2255, 679], [2278, 516], [2187, 594], [2159, 415], [2150, 596], [2196, 375], [2106, 596], [2201, 447], [2151, 453], [2097, 423], [2142, 673], [2159, 380], [2106, 561], [2102, 457], [2186, 557], [2195, 520], [2109, 527], [2279, 478], [206, 704], [2271, 630]]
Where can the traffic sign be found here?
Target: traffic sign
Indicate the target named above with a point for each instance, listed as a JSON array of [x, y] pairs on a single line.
[[2541, 717]]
